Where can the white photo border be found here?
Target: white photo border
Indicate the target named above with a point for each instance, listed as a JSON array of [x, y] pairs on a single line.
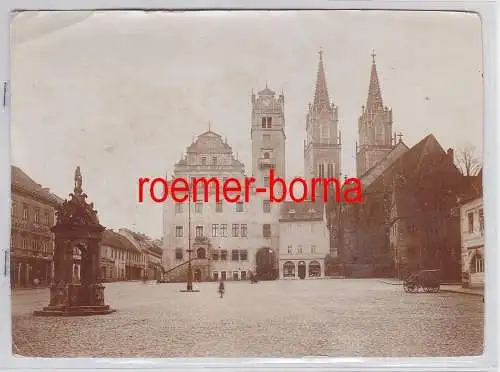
[[489, 13]]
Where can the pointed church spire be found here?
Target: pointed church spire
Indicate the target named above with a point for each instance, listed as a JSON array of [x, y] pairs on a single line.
[[374, 100], [321, 99]]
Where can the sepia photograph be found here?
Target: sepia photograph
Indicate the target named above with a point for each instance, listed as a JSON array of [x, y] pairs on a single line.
[[247, 184]]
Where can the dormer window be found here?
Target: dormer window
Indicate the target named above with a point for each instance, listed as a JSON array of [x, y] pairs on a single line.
[[266, 122]]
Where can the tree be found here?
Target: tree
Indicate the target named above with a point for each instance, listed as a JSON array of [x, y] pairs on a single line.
[[467, 161]]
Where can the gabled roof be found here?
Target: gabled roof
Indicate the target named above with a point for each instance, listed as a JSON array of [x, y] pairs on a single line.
[[20, 181], [304, 211], [266, 92], [209, 142], [113, 239], [382, 165]]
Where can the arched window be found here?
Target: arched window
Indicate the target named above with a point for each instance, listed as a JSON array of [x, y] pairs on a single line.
[[289, 269], [477, 264], [314, 268], [330, 170], [266, 155], [200, 253]]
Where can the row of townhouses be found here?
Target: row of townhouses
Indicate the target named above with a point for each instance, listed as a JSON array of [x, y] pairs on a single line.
[[125, 255], [408, 219]]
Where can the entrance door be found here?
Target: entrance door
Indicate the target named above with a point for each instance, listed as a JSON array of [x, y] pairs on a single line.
[[301, 268], [197, 275]]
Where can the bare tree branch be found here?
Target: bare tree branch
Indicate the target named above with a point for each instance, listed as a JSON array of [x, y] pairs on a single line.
[[467, 161]]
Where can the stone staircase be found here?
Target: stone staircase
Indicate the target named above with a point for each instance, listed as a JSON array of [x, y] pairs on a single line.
[[179, 273]]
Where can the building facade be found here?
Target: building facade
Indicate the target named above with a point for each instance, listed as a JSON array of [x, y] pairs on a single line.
[[31, 242], [304, 240], [225, 237], [472, 235]]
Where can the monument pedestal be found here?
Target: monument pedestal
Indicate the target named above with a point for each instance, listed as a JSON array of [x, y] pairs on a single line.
[[75, 300]]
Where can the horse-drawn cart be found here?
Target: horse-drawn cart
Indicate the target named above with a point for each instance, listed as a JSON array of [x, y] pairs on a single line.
[[428, 280]]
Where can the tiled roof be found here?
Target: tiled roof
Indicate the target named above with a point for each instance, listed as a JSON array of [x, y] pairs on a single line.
[[304, 211], [22, 182], [114, 239]]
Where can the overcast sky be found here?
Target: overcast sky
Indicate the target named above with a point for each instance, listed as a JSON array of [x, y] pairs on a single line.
[[123, 93]]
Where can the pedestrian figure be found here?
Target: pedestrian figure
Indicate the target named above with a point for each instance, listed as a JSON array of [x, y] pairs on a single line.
[[221, 288]]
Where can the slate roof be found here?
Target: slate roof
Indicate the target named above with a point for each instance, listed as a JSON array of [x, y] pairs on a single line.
[[20, 181], [304, 211]]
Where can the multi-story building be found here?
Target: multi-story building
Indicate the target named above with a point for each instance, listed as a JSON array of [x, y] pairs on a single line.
[[31, 242], [304, 240], [225, 237], [472, 233]]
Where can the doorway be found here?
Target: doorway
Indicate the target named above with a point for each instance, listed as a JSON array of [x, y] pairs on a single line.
[[301, 269], [197, 275]]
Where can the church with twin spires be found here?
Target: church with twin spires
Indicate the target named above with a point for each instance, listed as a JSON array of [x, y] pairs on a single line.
[[235, 240]]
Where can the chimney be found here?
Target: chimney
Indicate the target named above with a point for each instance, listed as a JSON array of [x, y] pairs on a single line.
[[450, 154]]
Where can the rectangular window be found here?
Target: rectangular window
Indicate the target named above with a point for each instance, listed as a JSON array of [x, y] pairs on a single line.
[[481, 221], [216, 275], [267, 122], [178, 253], [266, 206], [223, 230], [199, 231], [25, 243], [235, 230], [235, 275], [218, 207], [244, 230], [223, 255], [214, 160], [47, 217], [179, 231], [12, 241], [243, 275], [239, 207], [290, 249], [203, 160], [215, 230], [37, 215], [13, 209], [300, 249], [471, 222], [266, 230], [235, 255], [266, 181], [198, 208], [313, 248], [178, 207], [25, 212], [215, 255], [223, 275], [243, 255]]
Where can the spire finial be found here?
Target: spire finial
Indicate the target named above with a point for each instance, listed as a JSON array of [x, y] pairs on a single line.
[[400, 136], [78, 180], [374, 101], [321, 99], [209, 125], [266, 84], [320, 52]]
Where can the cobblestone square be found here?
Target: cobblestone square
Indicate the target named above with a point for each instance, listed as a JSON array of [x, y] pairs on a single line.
[[338, 318]]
